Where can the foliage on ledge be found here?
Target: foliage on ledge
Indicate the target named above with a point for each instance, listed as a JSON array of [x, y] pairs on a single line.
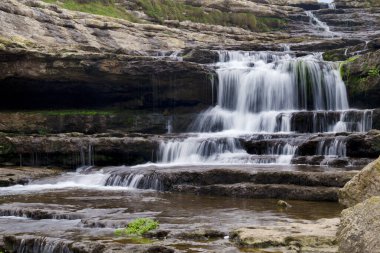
[[160, 10]]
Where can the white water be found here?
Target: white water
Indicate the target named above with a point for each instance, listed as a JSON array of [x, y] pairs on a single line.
[[318, 24], [91, 181], [261, 92], [335, 147]]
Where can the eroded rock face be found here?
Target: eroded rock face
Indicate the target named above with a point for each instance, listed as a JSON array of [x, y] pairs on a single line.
[[95, 80], [357, 3], [91, 122], [73, 150], [362, 186], [360, 227]]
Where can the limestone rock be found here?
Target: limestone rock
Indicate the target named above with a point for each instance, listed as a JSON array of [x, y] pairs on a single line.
[[362, 186], [360, 228], [301, 236]]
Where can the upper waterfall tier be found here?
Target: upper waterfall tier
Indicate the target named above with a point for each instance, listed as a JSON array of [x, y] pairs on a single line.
[[256, 82], [260, 91]]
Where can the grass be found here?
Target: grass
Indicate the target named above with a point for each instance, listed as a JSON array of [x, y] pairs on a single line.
[[67, 112], [98, 7], [161, 10], [138, 227]]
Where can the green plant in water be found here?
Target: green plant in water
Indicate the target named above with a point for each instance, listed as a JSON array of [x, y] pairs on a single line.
[[138, 227]]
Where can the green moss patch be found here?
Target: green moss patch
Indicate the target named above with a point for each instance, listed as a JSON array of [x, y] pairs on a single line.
[[138, 227], [161, 10], [98, 7]]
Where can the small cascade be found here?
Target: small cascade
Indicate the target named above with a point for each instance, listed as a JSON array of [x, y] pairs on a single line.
[[172, 55], [333, 147], [271, 94], [286, 47], [354, 121], [169, 126], [318, 24], [87, 160], [332, 6], [42, 245], [136, 180]]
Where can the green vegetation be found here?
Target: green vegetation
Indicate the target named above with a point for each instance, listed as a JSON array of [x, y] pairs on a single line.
[[161, 10], [374, 72], [344, 71], [138, 227], [98, 7], [72, 112]]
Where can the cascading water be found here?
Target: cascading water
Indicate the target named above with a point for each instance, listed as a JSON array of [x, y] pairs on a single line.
[[318, 24], [262, 92]]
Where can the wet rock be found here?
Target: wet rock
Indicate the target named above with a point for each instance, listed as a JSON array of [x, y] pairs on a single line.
[[359, 145], [362, 186], [87, 247], [22, 175], [107, 80], [283, 204], [159, 249], [314, 236], [207, 234], [94, 121], [201, 176], [39, 211], [360, 227], [247, 190], [201, 56], [71, 151], [160, 234]]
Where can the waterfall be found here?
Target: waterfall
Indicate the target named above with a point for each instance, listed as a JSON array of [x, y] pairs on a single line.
[[332, 6], [333, 147], [269, 93], [318, 24], [136, 180]]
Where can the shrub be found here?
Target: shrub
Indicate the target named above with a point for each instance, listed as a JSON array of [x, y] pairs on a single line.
[[138, 227]]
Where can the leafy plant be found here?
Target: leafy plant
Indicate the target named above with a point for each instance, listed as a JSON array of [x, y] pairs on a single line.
[[374, 72], [138, 227]]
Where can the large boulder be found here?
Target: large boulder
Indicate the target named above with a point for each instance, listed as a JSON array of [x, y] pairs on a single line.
[[362, 186], [359, 229]]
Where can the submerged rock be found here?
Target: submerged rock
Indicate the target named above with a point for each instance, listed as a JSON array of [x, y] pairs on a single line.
[[359, 229], [362, 186], [283, 204]]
